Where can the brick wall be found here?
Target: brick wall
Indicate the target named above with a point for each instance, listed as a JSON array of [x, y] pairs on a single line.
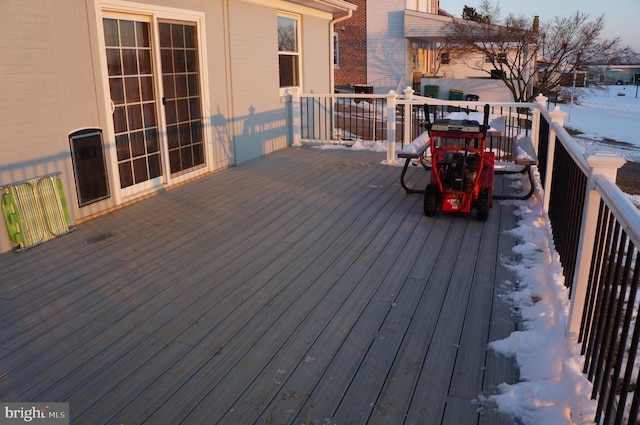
[[352, 56]]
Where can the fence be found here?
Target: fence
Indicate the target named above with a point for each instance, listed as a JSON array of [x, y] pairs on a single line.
[[596, 229], [348, 118]]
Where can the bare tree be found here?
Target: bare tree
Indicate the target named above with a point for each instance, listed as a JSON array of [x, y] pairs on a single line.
[[530, 57]]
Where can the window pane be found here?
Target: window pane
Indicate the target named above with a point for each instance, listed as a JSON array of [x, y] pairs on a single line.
[[140, 169], [165, 35], [151, 140], [183, 110], [192, 61], [169, 89], [144, 61], [170, 111], [149, 114], [122, 147], [132, 89], [198, 154], [185, 134], [137, 143], [113, 62], [287, 34], [179, 63], [194, 106], [127, 34], [172, 136], [177, 36], [288, 70], [193, 84], [181, 85], [110, 32], [190, 37], [146, 87], [174, 161], [126, 174], [130, 61], [134, 113], [196, 132], [116, 90], [187, 157], [142, 33], [119, 120], [154, 166]]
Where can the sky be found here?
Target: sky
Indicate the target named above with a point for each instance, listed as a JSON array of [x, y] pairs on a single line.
[[621, 16]]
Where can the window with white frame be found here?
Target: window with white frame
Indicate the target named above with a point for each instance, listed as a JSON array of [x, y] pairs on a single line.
[[289, 50]]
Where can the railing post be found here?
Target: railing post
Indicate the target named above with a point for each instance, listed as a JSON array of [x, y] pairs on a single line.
[[408, 117], [557, 116], [292, 95], [391, 127], [603, 165], [535, 120]]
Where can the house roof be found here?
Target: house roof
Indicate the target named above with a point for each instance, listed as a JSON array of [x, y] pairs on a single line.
[[331, 6], [425, 26]]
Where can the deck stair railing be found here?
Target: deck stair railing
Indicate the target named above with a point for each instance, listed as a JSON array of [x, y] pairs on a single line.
[[595, 227]]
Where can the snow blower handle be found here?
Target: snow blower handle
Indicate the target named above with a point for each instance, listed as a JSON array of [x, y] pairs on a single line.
[[485, 122], [427, 119]]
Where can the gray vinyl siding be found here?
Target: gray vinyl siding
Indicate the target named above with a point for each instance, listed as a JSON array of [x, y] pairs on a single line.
[[259, 121], [316, 55], [386, 45]]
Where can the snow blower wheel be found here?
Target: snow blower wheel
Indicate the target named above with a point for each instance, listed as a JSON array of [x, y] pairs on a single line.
[[484, 203], [430, 200]]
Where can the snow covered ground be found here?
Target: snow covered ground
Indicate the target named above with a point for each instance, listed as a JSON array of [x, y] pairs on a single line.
[[605, 114], [609, 121]]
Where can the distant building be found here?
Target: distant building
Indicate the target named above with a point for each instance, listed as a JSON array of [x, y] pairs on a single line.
[[615, 74], [392, 44]]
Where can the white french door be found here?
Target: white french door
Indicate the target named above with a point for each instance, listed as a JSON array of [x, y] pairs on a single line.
[[156, 104]]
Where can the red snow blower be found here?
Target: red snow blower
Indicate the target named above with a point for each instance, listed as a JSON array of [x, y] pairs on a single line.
[[462, 171]]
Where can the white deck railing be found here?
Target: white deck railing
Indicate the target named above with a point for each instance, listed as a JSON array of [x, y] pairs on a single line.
[[596, 228]]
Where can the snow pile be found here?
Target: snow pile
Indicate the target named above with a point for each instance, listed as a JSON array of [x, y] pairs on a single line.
[[553, 389]]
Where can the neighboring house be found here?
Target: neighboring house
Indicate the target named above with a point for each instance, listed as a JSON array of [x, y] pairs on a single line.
[[374, 48], [392, 44], [150, 93], [615, 74]]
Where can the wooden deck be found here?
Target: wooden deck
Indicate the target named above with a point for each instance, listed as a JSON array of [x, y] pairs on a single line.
[[304, 287]]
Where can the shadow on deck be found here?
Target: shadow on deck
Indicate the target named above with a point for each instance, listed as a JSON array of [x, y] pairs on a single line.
[[304, 287]]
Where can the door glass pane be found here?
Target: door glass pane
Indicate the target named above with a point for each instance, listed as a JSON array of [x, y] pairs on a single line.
[[111, 37], [135, 124], [181, 82]]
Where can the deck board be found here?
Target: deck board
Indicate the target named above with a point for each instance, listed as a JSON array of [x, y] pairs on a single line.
[[301, 287]]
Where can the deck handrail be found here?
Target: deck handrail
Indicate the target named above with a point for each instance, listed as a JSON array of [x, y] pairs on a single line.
[[595, 230]]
